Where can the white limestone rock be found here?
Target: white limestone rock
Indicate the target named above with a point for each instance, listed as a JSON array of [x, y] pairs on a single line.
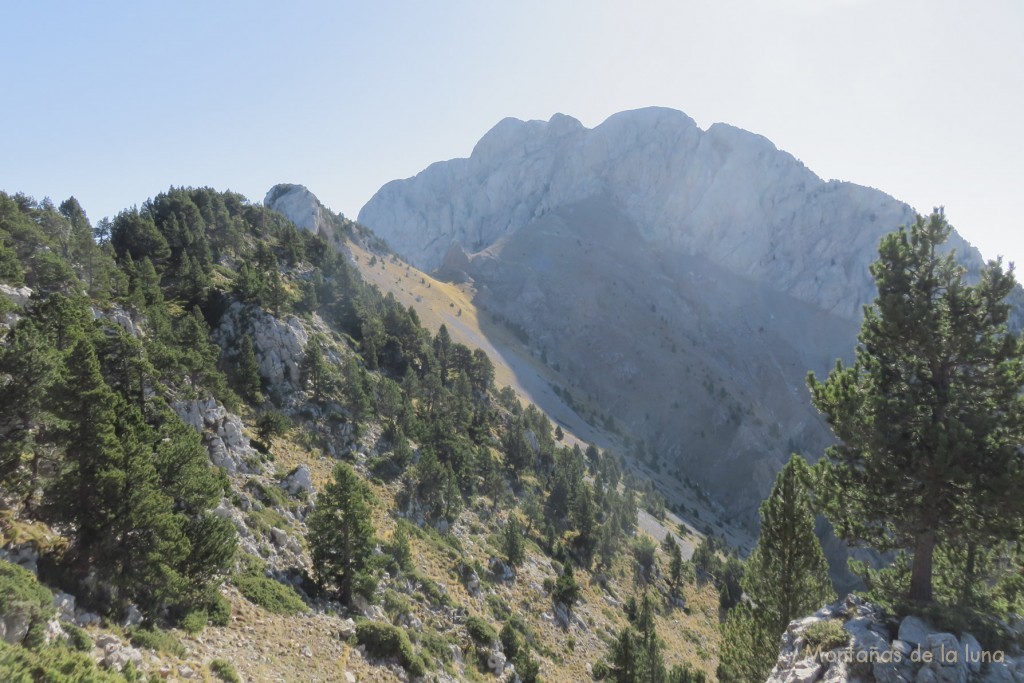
[[222, 434], [18, 296], [298, 204], [299, 482], [279, 343]]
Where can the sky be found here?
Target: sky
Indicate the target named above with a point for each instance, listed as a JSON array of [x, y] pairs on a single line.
[[114, 102]]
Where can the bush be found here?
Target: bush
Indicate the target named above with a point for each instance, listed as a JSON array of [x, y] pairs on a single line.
[[511, 642], [386, 641], [480, 631], [195, 621], [156, 639], [823, 636], [51, 664], [225, 671], [218, 608], [21, 594], [78, 638], [269, 594]]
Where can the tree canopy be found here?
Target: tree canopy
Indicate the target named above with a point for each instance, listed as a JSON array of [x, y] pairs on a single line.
[[930, 416]]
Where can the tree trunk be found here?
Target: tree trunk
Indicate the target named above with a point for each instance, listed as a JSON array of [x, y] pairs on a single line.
[[921, 572]]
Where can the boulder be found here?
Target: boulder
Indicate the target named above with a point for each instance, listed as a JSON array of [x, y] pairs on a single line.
[[496, 661], [915, 630], [16, 295], [298, 482], [65, 604], [347, 629]]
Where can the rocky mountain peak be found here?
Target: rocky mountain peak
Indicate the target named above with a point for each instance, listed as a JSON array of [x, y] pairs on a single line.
[[298, 204]]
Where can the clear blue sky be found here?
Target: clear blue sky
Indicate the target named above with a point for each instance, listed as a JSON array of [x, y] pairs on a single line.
[[114, 102]]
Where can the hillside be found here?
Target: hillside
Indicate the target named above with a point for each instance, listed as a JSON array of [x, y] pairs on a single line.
[[683, 280], [454, 304], [198, 396]]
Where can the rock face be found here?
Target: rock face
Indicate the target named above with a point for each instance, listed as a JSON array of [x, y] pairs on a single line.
[[681, 280], [222, 434], [299, 205], [724, 194], [919, 653], [279, 343]]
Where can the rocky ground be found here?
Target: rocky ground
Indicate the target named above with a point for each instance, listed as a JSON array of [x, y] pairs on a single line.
[[854, 640]]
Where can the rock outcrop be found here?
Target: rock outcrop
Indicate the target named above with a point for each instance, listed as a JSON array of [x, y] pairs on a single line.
[[684, 281], [222, 434], [879, 649], [279, 344], [299, 205]]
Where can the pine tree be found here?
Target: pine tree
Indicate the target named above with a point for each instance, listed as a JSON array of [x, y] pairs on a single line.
[[623, 667], [512, 543], [28, 368], [87, 490], [930, 416], [340, 532], [786, 577], [748, 648], [249, 370], [316, 374]]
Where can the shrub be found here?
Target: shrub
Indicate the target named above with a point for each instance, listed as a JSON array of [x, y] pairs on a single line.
[[225, 671], [218, 608], [269, 594], [78, 638], [195, 621], [480, 631], [822, 636], [156, 639], [387, 641], [21, 594], [21, 665]]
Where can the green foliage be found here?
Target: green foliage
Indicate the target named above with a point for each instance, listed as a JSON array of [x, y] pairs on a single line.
[[930, 416], [340, 532], [822, 636], [194, 621], [685, 674], [748, 647], [156, 639], [269, 594], [512, 543], [78, 638], [566, 591], [51, 664], [644, 552], [22, 597], [786, 577], [400, 548], [387, 641], [225, 671], [480, 631], [248, 367]]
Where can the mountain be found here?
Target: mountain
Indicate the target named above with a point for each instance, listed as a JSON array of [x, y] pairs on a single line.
[[683, 280]]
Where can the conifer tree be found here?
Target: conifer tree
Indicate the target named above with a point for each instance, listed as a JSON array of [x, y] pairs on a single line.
[[930, 417], [748, 649], [340, 532], [786, 577], [248, 370], [512, 543], [87, 489]]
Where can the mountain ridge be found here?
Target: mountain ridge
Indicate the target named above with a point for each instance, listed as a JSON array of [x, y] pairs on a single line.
[[710, 389]]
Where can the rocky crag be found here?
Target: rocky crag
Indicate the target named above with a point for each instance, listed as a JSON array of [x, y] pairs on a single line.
[[854, 640], [685, 280]]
